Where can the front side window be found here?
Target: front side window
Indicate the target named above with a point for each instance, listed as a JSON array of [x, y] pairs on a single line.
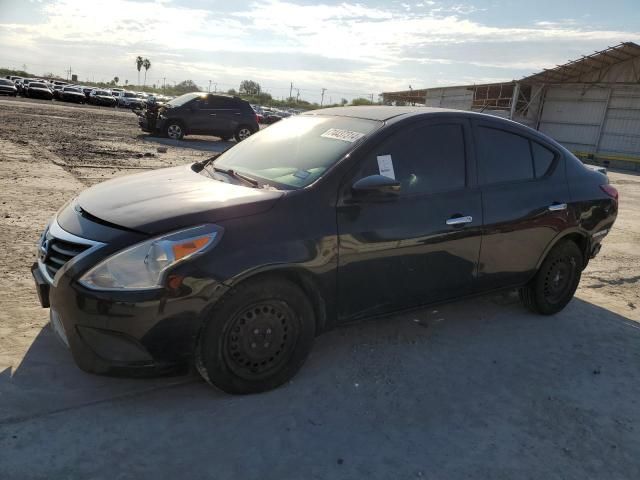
[[424, 159], [297, 151], [503, 156]]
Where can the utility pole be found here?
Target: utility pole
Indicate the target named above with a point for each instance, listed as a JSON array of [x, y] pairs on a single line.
[[68, 73], [209, 86], [372, 98], [322, 98], [298, 95], [290, 89], [215, 87], [164, 80]]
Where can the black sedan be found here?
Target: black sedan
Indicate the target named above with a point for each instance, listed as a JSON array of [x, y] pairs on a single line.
[[236, 263], [7, 87], [72, 94], [102, 97], [38, 90]]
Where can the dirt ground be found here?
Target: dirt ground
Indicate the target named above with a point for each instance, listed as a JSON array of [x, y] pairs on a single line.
[[474, 389]]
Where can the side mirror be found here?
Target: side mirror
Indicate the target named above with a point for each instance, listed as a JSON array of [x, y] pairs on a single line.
[[376, 186]]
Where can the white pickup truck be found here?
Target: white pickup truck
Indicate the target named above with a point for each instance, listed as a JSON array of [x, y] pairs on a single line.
[[129, 100]]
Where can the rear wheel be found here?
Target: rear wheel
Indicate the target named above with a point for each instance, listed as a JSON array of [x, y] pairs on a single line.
[[242, 133], [174, 131], [555, 283], [257, 338]]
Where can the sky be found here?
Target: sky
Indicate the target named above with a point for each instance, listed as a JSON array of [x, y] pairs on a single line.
[[351, 49]]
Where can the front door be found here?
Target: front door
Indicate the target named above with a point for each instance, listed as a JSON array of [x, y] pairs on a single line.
[[423, 245]]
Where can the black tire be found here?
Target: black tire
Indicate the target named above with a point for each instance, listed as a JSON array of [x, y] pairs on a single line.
[[556, 282], [242, 133], [174, 130], [257, 337]]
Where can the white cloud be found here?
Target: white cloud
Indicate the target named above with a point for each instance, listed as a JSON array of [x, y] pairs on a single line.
[[379, 43]]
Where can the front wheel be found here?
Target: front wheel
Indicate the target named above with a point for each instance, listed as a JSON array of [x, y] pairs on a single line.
[[174, 131], [257, 337], [242, 133], [556, 282]]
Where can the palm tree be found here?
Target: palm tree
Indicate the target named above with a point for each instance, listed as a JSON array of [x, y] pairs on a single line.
[[139, 63], [147, 65]]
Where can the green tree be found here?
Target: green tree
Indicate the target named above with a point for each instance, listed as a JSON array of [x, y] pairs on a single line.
[[116, 80], [185, 86], [232, 91], [139, 63], [249, 87], [147, 65], [361, 101], [344, 101]]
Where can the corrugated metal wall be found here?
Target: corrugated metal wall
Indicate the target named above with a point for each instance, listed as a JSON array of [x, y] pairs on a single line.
[[459, 98], [573, 115], [621, 129], [594, 120]]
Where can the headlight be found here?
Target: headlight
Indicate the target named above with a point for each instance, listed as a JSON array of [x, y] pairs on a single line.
[[144, 265]]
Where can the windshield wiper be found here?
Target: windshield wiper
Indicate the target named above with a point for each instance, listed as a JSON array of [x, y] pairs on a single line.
[[232, 173]]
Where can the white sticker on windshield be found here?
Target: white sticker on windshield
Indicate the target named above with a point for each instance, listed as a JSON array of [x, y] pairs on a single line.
[[344, 135], [385, 166]]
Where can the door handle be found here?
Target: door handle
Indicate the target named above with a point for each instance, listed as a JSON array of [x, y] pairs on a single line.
[[556, 207], [212, 114], [459, 220]]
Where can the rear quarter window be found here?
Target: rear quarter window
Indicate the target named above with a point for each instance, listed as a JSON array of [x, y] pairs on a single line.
[[542, 159]]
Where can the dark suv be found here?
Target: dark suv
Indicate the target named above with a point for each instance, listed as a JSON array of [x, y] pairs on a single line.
[[237, 263], [202, 114]]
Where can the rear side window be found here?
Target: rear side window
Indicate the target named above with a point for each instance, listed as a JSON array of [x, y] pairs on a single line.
[[425, 159], [503, 156], [542, 159], [220, 102]]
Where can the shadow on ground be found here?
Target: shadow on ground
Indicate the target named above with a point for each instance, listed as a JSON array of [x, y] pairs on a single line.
[[475, 389], [202, 144]]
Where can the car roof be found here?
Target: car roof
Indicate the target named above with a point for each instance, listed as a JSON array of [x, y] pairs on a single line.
[[379, 112]]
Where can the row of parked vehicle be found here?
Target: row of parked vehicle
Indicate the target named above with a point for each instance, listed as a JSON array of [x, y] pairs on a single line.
[[66, 92], [269, 115]]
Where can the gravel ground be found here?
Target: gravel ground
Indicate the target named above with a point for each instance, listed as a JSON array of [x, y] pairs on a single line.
[[473, 389]]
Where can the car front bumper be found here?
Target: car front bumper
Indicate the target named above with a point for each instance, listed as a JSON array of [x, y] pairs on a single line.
[[132, 333]]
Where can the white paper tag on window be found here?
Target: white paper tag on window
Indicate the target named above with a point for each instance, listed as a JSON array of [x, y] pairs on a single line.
[[344, 135], [385, 166]]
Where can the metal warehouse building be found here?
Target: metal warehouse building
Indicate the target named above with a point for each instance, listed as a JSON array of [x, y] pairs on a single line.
[[590, 105]]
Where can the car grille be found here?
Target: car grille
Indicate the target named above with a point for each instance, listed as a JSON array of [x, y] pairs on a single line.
[[57, 252]]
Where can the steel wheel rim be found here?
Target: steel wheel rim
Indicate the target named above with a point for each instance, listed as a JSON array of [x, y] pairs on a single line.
[[244, 133], [559, 279], [174, 131], [260, 339]]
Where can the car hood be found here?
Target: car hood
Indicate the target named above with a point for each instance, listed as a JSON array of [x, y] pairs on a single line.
[[172, 198]]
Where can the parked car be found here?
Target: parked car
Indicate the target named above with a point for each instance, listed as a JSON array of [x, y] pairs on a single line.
[[270, 117], [38, 90], [72, 94], [237, 263], [102, 97], [205, 114], [129, 100], [57, 89], [7, 87]]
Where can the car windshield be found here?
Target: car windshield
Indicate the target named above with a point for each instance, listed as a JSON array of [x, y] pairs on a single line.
[[6, 82], [102, 92], [182, 99], [129, 94], [37, 85], [71, 89], [297, 151]]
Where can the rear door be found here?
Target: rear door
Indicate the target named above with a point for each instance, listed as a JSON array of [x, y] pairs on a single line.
[[225, 112], [423, 245], [524, 196]]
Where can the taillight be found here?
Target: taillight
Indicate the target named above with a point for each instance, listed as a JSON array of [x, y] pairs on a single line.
[[609, 190]]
